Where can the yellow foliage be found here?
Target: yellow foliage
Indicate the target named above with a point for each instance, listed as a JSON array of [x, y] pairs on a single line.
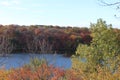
[[4, 74]]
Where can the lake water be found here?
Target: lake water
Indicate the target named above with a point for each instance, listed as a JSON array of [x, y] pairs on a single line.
[[18, 60]]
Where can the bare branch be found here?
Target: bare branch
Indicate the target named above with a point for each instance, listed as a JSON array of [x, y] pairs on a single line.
[[109, 4], [116, 4], [37, 45], [6, 47], [32, 46], [45, 46]]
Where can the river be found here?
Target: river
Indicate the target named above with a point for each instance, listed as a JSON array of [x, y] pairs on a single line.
[[18, 60]]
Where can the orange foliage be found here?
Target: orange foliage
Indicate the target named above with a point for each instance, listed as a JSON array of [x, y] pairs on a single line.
[[45, 72], [4, 74], [73, 37]]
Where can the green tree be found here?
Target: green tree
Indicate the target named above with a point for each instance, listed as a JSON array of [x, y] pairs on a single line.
[[103, 51]]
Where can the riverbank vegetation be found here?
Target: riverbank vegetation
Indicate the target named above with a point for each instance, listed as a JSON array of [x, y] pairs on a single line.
[[42, 38], [97, 59]]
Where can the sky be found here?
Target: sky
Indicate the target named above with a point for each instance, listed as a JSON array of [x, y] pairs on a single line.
[[56, 12]]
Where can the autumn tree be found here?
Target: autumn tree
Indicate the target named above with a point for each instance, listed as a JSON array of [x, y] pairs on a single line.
[[37, 45], [6, 47]]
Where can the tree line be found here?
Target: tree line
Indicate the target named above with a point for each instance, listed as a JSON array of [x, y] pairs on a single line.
[[42, 38]]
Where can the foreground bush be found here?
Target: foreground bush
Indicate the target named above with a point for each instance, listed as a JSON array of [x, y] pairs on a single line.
[[101, 74], [50, 73], [101, 59], [43, 72], [4, 74]]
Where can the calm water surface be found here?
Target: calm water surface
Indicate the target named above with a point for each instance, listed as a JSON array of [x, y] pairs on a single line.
[[18, 60]]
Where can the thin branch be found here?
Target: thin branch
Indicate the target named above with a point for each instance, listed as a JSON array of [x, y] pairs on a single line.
[[6, 47], [109, 4]]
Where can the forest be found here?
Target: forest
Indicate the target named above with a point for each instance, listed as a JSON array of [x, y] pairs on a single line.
[[95, 51], [41, 38]]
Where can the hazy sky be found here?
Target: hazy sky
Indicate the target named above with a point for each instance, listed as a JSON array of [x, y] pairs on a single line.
[[56, 12]]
